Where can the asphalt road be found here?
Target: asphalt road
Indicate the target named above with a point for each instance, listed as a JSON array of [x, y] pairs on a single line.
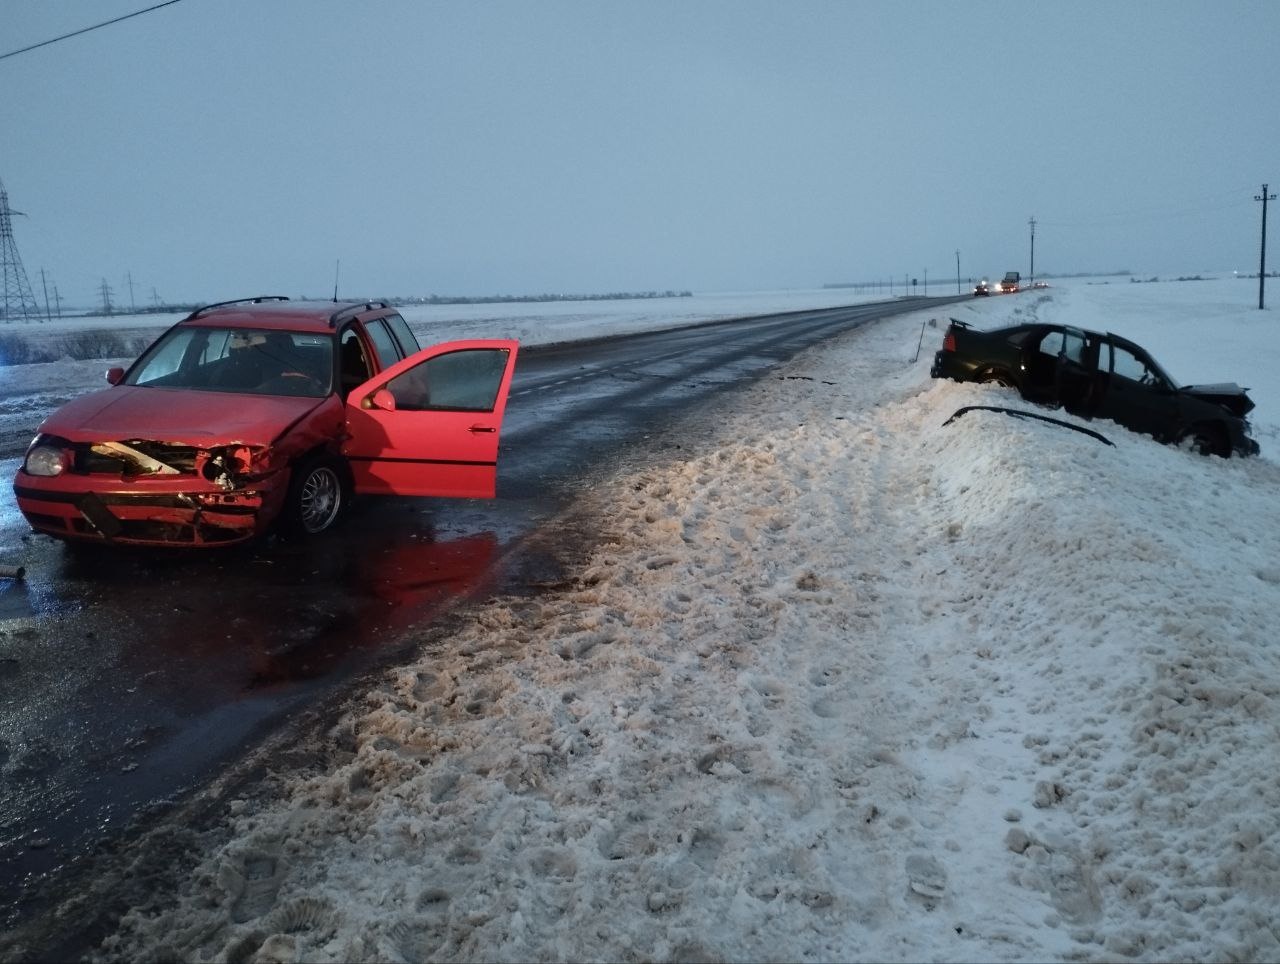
[[129, 679]]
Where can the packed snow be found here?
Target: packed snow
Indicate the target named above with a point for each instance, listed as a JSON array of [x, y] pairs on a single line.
[[845, 684]]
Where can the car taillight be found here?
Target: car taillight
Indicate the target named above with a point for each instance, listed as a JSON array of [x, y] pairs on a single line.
[[949, 341]]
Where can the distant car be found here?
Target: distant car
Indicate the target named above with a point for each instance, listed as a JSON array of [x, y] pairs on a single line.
[[1039, 284], [1097, 375], [982, 288], [262, 411]]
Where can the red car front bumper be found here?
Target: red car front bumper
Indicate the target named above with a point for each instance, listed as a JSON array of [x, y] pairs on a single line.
[[165, 511]]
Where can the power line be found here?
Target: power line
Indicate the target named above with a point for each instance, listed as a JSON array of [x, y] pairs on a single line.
[[1153, 213], [76, 33]]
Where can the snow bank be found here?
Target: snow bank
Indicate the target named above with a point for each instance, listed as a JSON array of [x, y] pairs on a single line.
[[847, 685]]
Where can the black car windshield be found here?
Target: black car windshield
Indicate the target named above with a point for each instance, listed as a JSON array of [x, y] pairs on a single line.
[[238, 360], [1133, 362], [1160, 371]]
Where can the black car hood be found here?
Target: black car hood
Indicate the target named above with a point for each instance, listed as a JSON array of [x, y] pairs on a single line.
[[1227, 394]]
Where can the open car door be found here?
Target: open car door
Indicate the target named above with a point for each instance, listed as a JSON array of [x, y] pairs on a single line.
[[1073, 378], [429, 425]]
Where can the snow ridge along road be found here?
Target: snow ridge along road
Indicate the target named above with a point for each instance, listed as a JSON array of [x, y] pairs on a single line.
[[848, 686]]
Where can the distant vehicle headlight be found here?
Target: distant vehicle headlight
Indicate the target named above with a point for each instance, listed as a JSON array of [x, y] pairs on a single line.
[[46, 457]]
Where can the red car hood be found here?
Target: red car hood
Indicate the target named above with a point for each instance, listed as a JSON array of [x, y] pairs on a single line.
[[184, 417]]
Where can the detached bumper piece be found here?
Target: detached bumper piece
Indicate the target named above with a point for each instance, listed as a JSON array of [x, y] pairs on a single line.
[[1019, 413], [99, 516]]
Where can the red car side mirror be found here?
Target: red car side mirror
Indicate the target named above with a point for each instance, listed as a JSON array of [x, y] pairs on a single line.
[[114, 375]]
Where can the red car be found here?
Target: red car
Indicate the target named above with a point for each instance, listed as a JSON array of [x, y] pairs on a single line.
[[262, 411]]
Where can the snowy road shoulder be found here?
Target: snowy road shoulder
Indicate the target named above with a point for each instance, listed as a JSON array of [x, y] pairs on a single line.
[[849, 685]]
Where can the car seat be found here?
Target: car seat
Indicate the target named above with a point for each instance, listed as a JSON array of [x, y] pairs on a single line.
[[355, 369], [239, 371]]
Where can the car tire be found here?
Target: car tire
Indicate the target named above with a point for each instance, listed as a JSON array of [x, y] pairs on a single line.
[[996, 378], [319, 491], [1205, 440]]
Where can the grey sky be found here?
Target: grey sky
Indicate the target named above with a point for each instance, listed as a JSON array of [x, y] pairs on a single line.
[[218, 148]]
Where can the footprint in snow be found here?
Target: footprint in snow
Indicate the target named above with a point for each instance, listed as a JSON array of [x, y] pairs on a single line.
[[926, 880], [252, 880], [417, 937], [313, 916], [826, 708], [824, 675]]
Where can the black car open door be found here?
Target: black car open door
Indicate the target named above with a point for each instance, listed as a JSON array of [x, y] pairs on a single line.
[[1074, 373]]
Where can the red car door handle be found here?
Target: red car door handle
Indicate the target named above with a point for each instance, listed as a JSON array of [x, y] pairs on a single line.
[[482, 428]]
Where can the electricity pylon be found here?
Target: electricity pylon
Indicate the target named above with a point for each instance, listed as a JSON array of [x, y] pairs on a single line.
[[18, 301]]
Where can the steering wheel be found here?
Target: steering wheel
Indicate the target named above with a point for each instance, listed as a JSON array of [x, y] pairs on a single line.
[[309, 377], [293, 383]]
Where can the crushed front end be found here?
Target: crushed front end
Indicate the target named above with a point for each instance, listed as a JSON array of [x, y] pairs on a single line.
[[138, 492]]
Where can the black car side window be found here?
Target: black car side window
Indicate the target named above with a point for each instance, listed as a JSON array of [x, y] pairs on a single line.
[[1074, 347], [1104, 357], [1051, 344], [1129, 365]]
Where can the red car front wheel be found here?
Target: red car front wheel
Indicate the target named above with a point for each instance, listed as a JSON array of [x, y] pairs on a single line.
[[318, 495]]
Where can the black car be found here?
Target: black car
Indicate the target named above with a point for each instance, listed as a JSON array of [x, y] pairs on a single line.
[[982, 288], [1097, 375]]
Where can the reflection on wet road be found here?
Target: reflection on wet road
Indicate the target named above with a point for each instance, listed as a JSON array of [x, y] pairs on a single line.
[[141, 673], [129, 678]]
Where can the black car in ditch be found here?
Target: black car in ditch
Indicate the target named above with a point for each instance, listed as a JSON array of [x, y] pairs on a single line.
[[1099, 375]]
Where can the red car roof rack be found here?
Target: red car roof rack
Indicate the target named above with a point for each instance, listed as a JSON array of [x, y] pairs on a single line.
[[235, 301], [350, 311]]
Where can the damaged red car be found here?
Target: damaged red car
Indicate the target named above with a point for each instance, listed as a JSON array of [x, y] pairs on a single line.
[[267, 412]]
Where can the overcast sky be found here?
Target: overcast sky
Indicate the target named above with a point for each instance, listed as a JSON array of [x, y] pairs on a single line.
[[219, 148]]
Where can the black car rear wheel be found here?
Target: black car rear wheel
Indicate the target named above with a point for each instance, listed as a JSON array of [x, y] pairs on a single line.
[[996, 377]]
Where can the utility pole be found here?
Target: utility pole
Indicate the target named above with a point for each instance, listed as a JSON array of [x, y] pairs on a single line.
[[958, 291], [1033, 250], [105, 291], [1262, 267], [45, 285], [16, 298], [133, 307]]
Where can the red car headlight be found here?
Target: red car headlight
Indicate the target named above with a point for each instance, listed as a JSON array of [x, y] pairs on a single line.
[[47, 457]]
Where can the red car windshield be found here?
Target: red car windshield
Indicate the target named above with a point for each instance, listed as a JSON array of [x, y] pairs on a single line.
[[248, 361]]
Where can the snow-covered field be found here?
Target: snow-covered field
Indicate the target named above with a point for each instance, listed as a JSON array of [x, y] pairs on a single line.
[[847, 684]]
